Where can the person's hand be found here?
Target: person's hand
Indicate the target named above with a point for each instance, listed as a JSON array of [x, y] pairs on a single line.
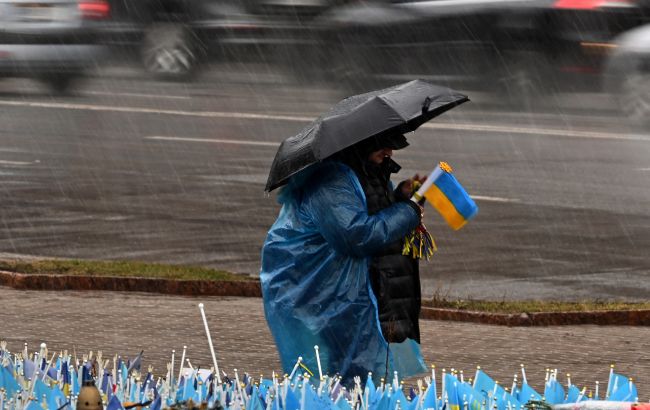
[[408, 187]]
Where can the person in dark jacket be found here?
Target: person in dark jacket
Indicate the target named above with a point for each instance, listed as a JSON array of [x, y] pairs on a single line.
[[333, 273], [394, 277]]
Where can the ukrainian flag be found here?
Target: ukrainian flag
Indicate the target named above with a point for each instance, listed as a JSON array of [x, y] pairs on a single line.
[[450, 395], [447, 196]]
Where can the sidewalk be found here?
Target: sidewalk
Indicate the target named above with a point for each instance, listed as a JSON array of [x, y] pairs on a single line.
[[125, 323]]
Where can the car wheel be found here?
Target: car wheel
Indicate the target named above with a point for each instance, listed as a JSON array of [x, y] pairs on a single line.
[[635, 97], [169, 51]]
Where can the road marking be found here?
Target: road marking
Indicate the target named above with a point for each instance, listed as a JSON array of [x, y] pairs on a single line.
[[2, 162], [172, 97], [217, 141], [493, 198], [305, 119], [643, 169], [142, 110], [538, 131]]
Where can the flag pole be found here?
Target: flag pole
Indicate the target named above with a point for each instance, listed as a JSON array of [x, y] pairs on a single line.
[[609, 383], [207, 332], [180, 365], [171, 370], [320, 371]]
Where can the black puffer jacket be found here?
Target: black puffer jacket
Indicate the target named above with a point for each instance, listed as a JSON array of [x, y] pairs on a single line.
[[394, 277]]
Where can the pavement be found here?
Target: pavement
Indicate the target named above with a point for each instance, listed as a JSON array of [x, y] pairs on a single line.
[[124, 323]]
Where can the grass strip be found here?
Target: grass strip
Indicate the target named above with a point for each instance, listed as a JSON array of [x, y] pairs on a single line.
[[116, 268], [532, 306], [180, 272]]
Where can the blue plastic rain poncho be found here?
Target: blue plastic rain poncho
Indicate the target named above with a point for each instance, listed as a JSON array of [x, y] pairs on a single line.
[[315, 280]]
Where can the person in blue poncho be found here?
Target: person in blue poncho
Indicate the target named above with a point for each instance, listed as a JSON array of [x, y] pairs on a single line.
[[333, 273]]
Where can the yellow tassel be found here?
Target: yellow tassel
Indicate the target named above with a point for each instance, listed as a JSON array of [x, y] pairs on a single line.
[[445, 167]]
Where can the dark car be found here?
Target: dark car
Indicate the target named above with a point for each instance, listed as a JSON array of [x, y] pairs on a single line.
[[51, 40], [171, 38], [512, 48]]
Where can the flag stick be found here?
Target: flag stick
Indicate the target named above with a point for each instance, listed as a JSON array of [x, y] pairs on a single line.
[[320, 371], [609, 383], [303, 391], [49, 364], [207, 332], [523, 374], [171, 370], [180, 370], [295, 367], [597, 388], [239, 389]]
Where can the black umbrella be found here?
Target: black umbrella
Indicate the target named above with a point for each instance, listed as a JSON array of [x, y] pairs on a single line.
[[402, 108]]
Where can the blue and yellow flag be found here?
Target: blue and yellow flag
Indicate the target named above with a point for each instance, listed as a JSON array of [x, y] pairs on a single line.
[[450, 393], [443, 191]]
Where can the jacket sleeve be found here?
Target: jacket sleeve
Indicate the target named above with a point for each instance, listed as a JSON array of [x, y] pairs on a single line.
[[341, 216]]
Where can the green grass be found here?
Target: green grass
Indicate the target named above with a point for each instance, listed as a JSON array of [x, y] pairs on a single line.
[[157, 270], [116, 268], [532, 306]]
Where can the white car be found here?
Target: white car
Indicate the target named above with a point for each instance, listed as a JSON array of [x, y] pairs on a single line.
[[51, 40]]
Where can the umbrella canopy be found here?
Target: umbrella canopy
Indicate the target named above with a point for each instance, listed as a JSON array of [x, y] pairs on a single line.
[[399, 109]]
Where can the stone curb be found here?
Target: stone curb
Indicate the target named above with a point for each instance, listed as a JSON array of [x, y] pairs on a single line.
[[601, 318], [247, 288], [251, 288]]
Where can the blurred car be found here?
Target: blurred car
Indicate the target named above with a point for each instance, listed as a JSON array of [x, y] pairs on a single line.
[[628, 73], [515, 49], [172, 38], [51, 40]]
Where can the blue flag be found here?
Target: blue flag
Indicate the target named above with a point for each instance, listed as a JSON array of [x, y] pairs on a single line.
[[450, 395], [157, 404], [137, 362], [506, 401], [554, 392], [255, 403], [487, 387], [474, 398], [527, 393], [573, 395], [370, 389], [8, 382], [29, 367], [33, 405], [56, 400], [626, 392], [430, 400], [290, 401], [40, 390], [398, 396], [114, 404]]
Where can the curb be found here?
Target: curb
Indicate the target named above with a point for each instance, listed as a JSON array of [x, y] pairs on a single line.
[[246, 288], [601, 317], [251, 288]]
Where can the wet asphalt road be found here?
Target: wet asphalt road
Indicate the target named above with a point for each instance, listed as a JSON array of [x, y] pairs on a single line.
[[131, 168]]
